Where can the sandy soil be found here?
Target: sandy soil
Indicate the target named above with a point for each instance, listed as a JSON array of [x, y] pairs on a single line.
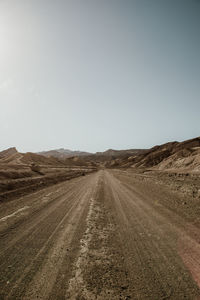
[[16, 181], [107, 235]]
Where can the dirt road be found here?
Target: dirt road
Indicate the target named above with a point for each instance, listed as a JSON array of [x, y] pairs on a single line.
[[107, 235]]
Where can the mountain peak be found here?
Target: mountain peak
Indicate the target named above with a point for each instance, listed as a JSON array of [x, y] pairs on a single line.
[[8, 152]]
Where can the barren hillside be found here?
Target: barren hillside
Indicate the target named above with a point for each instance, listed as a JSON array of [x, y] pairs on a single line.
[[170, 156], [22, 173]]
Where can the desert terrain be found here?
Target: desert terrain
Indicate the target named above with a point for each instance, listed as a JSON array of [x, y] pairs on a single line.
[[111, 225]]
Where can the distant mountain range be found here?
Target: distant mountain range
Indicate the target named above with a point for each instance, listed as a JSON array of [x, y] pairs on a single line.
[[115, 153], [169, 156], [66, 153], [63, 153]]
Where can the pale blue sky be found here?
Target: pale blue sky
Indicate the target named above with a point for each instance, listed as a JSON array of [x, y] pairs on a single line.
[[93, 75]]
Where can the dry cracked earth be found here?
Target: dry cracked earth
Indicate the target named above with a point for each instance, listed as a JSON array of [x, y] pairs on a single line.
[[107, 235]]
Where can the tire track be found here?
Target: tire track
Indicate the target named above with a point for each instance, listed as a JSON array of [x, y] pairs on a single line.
[[27, 252], [151, 247]]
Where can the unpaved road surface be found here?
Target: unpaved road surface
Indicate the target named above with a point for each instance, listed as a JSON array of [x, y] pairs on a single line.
[[107, 235]]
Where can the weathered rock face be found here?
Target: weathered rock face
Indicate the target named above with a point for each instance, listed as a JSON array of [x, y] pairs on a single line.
[[177, 155], [173, 155], [8, 152]]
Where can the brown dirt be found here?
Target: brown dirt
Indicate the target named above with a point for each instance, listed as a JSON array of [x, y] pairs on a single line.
[[17, 181], [108, 235]]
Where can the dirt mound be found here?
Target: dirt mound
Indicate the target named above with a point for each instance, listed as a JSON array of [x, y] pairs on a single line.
[[76, 161]]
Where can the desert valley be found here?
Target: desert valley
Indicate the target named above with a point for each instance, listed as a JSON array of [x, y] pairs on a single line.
[[119, 224]]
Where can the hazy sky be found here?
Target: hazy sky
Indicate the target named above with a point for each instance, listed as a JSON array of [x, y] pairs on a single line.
[[98, 74]]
